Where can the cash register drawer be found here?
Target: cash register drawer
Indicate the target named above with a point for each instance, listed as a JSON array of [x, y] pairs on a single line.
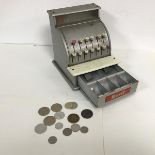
[[106, 85]]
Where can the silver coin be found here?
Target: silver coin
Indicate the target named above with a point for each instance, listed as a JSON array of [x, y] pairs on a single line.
[[84, 129], [49, 120], [75, 127], [67, 131], [44, 111], [40, 128], [71, 105], [58, 125], [52, 140], [59, 115], [56, 107]]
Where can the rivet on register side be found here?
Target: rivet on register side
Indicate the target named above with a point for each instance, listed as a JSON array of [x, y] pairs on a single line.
[[82, 53]]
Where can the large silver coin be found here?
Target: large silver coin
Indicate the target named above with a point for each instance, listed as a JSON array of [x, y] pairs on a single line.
[[40, 128], [84, 129], [67, 131], [44, 111], [75, 127], [56, 107], [59, 115], [52, 140], [71, 105], [49, 120], [58, 125]]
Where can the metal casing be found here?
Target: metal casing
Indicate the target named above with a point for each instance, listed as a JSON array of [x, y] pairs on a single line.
[[82, 49]]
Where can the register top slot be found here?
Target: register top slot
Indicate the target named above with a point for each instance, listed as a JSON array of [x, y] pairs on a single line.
[[74, 9]]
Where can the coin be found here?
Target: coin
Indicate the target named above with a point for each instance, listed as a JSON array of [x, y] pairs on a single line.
[[59, 115], [49, 120], [52, 140], [84, 129], [67, 131], [86, 113], [56, 107], [58, 125], [71, 105], [75, 127], [73, 118], [40, 128], [44, 111]]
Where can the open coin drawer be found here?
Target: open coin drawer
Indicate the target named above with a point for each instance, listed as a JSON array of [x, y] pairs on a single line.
[[108, 84]]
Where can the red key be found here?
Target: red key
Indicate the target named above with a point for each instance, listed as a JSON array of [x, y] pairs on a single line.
[[73, 42]]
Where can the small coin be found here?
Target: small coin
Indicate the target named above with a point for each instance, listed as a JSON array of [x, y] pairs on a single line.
[[87, 113], [44, 111], [71, 105], [84, 129], [56, 107], [67, 131], [59, 115], [49, 120], [52, 140], [75, 127], [73, 118], [58, 125], [40, 128]]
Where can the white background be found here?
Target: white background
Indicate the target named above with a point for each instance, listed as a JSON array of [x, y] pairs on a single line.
[[28, 80]]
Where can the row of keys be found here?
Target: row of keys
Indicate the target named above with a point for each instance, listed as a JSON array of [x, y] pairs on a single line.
[[86, 51], [91, 38]]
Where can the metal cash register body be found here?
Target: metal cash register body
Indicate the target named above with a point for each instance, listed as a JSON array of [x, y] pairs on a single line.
[[82, 53]]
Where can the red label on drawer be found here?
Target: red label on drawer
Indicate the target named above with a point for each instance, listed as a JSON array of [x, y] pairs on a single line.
[[117, 94]]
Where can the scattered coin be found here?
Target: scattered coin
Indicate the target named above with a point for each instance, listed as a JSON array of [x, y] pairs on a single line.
[[75, 127], [40, 128], [73, 118], [56, 107], [71, 105], [86, 113], [52, 140], [58, 125], [67, 131], [59, 115], [84, 129], [44, 111], [49, 120]]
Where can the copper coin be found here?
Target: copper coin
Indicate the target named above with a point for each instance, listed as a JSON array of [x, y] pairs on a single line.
[[87, 113], [71, 105], [67, 131], [73, 118], [52, 140], [44, 111], [49, 120], [84, 129], [56, 107]]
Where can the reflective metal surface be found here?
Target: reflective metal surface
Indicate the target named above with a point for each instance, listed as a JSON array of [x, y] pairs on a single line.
[[44, 111], [67, 131], [52, 140], [56, 107], [73, 118], [75, 127], [84, 129], [59, 115], [40, 128], [86, 113], [49, 120]]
